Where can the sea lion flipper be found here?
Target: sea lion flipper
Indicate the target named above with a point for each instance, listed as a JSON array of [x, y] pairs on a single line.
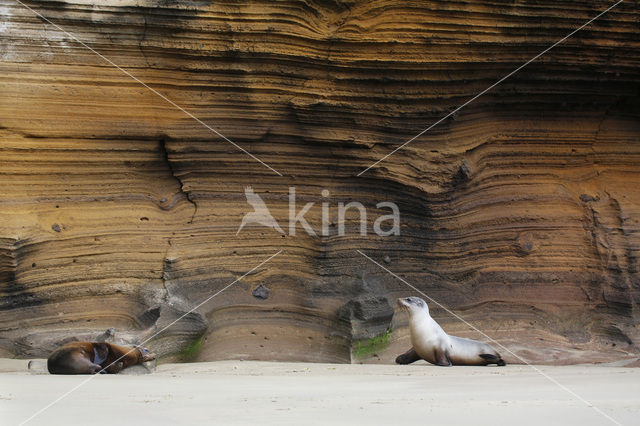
[[408, 357], [100, 352], [442, 358], [493, 359], [106, 335]]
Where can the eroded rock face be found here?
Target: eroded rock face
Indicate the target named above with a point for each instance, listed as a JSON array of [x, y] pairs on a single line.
[[520, 212]]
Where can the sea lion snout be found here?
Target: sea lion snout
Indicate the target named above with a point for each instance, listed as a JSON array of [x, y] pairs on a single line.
[[412, 303], [149, 357], [146, 355], [403, 302]]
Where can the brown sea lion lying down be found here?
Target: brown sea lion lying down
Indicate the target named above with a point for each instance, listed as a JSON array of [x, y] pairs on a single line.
[[93, 357]]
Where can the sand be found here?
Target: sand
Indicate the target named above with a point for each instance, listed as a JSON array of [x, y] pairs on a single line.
[[248, 392]]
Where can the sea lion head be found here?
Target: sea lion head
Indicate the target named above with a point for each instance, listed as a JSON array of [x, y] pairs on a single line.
[[145, 355], [414, 305]]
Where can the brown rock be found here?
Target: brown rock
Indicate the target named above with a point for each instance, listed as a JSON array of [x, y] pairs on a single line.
[[500, 219]]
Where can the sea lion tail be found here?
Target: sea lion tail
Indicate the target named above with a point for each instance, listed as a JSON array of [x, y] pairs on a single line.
[[501, 363]]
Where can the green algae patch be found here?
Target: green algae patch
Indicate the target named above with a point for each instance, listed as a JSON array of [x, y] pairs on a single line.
[[191, 350], [368, 347]]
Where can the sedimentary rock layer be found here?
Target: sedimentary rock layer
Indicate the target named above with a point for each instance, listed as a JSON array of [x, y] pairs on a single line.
[[120, 203]]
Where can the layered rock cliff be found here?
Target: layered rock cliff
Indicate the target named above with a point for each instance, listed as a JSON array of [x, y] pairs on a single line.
[[118, 209]]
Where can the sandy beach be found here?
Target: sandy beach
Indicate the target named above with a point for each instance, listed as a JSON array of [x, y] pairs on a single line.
[[248, 392]]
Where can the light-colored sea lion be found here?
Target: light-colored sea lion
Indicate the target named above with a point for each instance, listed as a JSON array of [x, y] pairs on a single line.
[[431, 343], [95, 357]]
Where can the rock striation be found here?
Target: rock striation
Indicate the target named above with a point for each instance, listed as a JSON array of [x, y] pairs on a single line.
[[520, 212]]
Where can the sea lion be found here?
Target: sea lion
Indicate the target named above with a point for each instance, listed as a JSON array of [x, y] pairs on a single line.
[[431, 343], [95, 357]]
